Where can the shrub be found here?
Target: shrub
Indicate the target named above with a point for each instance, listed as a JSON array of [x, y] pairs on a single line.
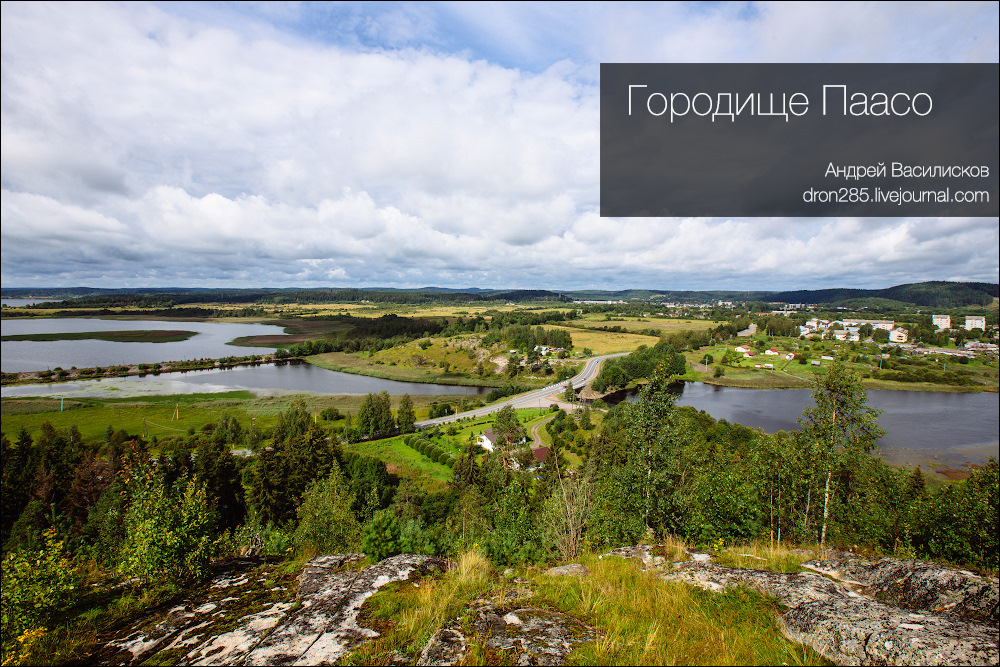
[[168, 533], [326, 521], [35, 586]]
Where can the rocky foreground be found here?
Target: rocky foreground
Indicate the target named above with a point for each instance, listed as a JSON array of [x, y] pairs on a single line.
[[851, 610]]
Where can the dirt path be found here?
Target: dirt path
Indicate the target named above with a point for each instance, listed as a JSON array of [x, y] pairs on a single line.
[[536, 435]]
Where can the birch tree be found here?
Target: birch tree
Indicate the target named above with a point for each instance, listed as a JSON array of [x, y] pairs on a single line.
[[840, 429]]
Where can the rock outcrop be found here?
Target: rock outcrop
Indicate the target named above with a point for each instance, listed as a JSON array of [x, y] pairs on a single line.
[[915, 585], [325, 627], [859, 612], [861, 631], [318, 626], [851, 610]]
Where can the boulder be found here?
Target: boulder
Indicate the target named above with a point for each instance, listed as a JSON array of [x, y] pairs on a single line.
[[571, 570]]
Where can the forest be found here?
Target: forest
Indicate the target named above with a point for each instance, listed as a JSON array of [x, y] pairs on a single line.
[[143, 512]]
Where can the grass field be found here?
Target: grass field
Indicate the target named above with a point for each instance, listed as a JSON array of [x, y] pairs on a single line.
[[454, 360], [362, 364], [662, 325], [606, 342], [156, 413]]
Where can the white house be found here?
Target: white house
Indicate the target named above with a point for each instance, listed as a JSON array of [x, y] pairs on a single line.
[[941, 321], [743, 349], [898, 335], [772, 352], [975, 322], [876, 324], [487, 440]]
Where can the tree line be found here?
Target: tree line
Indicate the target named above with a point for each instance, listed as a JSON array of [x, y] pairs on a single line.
[[649, 470]]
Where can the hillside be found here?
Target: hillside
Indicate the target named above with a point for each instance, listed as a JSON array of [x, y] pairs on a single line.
[[933, 294]]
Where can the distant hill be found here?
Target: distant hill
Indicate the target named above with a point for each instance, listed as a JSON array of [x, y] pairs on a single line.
[[933, 294]]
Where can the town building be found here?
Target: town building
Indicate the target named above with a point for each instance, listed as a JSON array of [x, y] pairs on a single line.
[[941, 321], [975, 322]]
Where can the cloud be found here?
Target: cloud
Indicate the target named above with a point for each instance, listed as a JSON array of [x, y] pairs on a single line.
[[411, 145]]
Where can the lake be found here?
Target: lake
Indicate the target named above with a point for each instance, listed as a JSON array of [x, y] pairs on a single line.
[[211, 341], [920, 426], [17, 303], [265, 379]]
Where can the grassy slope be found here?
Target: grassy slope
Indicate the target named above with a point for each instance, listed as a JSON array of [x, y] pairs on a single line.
[[640, 618]]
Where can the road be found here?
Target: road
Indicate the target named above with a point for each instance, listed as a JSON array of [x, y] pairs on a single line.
[[536, 398]]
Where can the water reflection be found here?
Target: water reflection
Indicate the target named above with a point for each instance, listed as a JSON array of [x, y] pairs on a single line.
[[266, 379], [920, 426], [211, 341]]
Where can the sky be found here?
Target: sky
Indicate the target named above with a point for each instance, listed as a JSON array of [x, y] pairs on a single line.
[[415, 144]]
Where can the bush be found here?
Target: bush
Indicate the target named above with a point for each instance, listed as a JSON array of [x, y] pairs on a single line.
[[330, 414], [35, 586], [168, 533], [326, 521], [413, 539]]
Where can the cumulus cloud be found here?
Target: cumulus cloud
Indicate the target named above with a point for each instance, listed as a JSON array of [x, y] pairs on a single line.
[[411, 145]]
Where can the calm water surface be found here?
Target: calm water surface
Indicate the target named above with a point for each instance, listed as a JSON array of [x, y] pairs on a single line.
[[920, 426], [264, 379], [211, 341], [17, 303]]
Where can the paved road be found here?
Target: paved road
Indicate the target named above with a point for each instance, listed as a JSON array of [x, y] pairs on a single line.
[[536, 398]]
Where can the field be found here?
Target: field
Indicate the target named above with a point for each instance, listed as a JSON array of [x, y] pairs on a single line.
[[154, 415], [403, 460], [660, 324], [605, 342], [454, 360]]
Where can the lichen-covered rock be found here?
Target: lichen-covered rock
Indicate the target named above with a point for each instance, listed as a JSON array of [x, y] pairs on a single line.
[[446, 647], [859, 631], [325, 627], [521, 636], [789, 589], [571, 570], [916, 585], [849, 627], [238, 593], [142, 642]]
